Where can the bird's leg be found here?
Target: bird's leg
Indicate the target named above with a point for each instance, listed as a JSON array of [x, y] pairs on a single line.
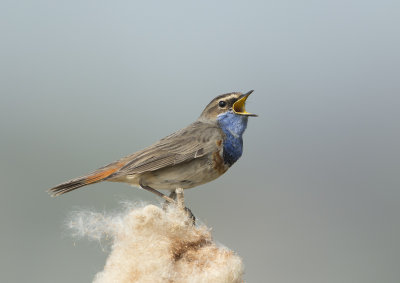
[[180, 202], [178, 199], [154, 191], [172, 196]]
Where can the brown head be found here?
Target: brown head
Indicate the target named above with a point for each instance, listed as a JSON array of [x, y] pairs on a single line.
[[233, 101]]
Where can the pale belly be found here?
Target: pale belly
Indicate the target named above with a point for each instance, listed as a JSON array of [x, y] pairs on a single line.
[[185, 175]]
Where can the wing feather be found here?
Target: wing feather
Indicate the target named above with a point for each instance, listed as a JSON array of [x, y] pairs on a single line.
[[194, 141]]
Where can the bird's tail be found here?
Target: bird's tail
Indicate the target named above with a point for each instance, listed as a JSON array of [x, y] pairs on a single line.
[[92, 178]]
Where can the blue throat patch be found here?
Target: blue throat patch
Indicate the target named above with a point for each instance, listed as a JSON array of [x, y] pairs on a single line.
[[233, 126]]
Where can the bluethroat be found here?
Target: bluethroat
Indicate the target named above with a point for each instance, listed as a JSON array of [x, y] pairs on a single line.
[[192, 156]]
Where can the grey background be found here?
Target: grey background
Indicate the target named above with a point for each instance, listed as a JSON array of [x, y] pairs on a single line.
[[315, 197]]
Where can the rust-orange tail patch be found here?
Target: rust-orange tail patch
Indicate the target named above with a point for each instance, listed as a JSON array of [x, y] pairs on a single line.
[[95, 177]]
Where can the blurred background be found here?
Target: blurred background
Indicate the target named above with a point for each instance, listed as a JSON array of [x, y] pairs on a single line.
[[315, 196]]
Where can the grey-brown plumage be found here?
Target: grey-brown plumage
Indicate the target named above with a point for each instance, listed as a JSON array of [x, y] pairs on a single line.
[[185, 159]]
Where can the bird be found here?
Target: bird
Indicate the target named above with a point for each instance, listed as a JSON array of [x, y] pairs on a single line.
[[192, 156]]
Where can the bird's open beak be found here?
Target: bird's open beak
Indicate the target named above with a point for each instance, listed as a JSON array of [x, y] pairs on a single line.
[[238, 106]]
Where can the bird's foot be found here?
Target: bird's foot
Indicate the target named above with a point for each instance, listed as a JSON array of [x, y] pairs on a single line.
[[181, 204], [190, 214], [179, 201], [175, 197]]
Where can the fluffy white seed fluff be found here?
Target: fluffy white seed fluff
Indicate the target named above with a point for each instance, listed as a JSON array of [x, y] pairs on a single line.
[[150, 244]]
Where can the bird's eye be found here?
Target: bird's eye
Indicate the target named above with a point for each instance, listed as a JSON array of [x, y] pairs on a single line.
[[222, 104]]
